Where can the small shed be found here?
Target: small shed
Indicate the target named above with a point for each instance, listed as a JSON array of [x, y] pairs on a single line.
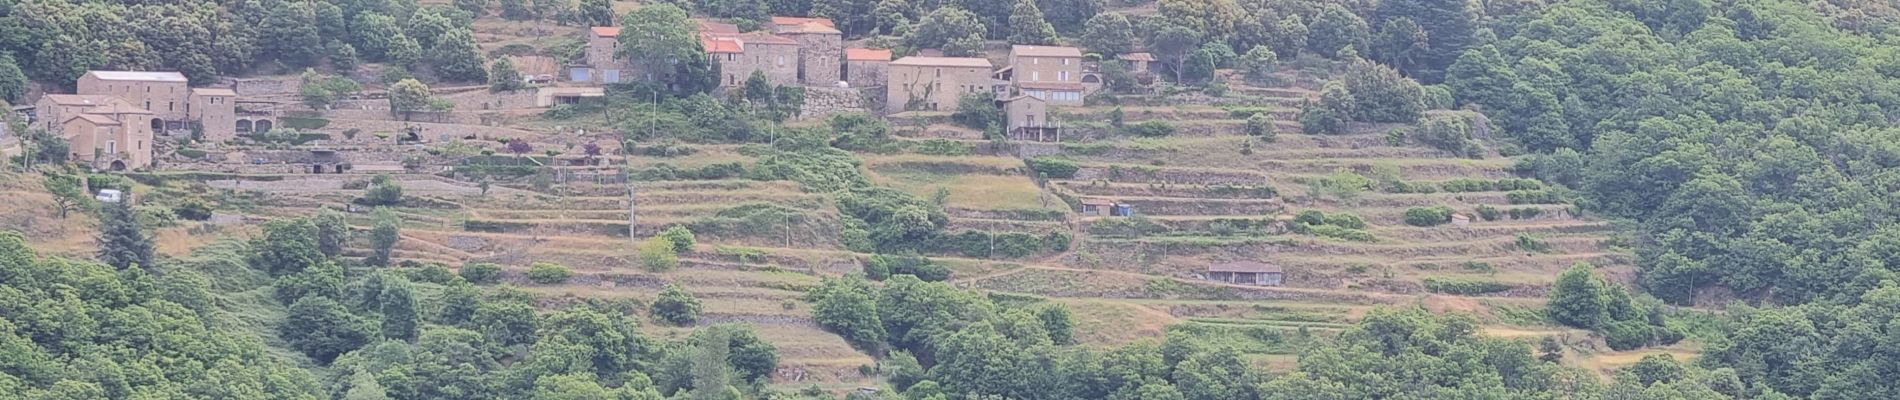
[[1137, 62], [1097, 207], [1122, 210], [1460, 220], [1246, 273]]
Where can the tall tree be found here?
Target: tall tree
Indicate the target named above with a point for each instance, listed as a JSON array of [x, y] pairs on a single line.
[[664, 38], [1448, 26], [398, 300], [332, 231], [121, 243], [502, 76], [1068, 16], [322, 329], [409, 96], [597, 12], [1109, 34], [383, 236], [12, 79], [457, 58], [1336, 28], [373, 34], [290, 35], [1028, 26], [1172, 45]]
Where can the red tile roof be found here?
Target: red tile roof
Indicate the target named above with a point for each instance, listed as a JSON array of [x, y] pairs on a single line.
[[867, 54], [715, 27], [767, 38], [715, 44], [790, 21], [606, 31]]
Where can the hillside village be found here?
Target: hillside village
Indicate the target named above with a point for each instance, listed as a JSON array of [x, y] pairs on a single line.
[[734, 199]]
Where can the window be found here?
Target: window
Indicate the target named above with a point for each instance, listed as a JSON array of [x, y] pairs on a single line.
[[1035, 76], [781, 61], [1065, 61], [112, 146], [141, 145], [940, 72], [1064, 76], [148, 89], [1037, 61], [171, 106], [148, 104]]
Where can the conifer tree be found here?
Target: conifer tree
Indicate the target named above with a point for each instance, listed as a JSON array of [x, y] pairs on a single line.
[[121, 243]]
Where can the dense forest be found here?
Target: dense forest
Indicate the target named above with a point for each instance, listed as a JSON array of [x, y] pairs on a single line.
[[1749, 142]]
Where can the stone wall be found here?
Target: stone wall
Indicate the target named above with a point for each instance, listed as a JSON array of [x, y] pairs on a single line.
[[822, 102], [264, 86], [818, 57], [867, 73]]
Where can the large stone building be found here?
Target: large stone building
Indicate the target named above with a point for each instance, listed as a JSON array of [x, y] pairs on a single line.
[[820, 48], [867, 67], [601, 60], [112, 121], [792, 51], [166, 94], [935, 83], [106, 132], [1052, 73], [216, 112]]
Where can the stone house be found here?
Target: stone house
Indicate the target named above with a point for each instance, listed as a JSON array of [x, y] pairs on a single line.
[[1053, 73], [739, 55], [114, 135], [1095, 207], [601, 62], [934, 83], [216, 111], [165, 94], [1138, 63], [867, 67], [820, 48], [1246, 273], [1026, 117]]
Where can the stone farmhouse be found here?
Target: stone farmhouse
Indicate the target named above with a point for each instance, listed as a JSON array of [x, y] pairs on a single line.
[[867, 67], [790, 51], [1052, 73], [112, 120], [935, 83]]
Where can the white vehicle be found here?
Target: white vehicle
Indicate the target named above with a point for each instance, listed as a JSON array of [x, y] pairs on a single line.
[[110, 195]]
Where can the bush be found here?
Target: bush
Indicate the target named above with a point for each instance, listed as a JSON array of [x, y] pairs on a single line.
[[680, 237], [675, 306], [1151, 128], [1628, 335], [657, 254], [383, 191], [977, 110], [1260, 125], [193, 209], [432, 273], [1535, 197], [1489, 213], [1057, 168], [1346, 220], [548, 274], [1524, 212], [1428, 216], [914, 265], [1464, 287], [1532, 243], [1342, 233], [481, 273]]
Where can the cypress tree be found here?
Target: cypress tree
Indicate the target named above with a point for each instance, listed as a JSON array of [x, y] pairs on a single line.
[[121, 243]]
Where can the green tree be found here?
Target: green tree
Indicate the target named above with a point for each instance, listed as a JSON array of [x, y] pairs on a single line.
[[322, 329], [333, 232], [670, 35], [680, 237], [287, 247], [675, 306], [1382, 95], [943, 27], [1449, 27], [847, 306], [400, 320], [383, 236], [1028, 26], [481, 273], [403, 52], [374, 34], [363, 386], [1172, 45], [503, 76], [409, 96], [343, 56], [597, 12], [657, 254], [12, 79], [1261, 126], [1259, 63], [473, 7], [1579, 298], [289, 34], [456, 58], [1336, 27], [1109, 34], [1328, 116], [459, 302], [1070, 16], [122, 244]]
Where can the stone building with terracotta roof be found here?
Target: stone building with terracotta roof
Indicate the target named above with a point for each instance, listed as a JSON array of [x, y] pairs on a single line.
[[739, 55], [106, 132], [792, 50], [867, 67], [934, 83], [1052, 73], [820, 48]]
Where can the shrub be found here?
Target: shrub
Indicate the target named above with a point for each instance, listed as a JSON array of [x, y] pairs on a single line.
[[1346, 220], [1532, 243], [1447, 132], [675, 306], [1535, 197], [943, 147], [1260, 125], [1489, 213], [481, 273], [1053, 167], [1628, 335], [193, 209], [1428, 216], [1342, 233], [1151, 128], [680, 237], [548, 274], [382, 191], [914, 265], [1464, 287], [1524, 212], [432, 273], [657, 254]]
